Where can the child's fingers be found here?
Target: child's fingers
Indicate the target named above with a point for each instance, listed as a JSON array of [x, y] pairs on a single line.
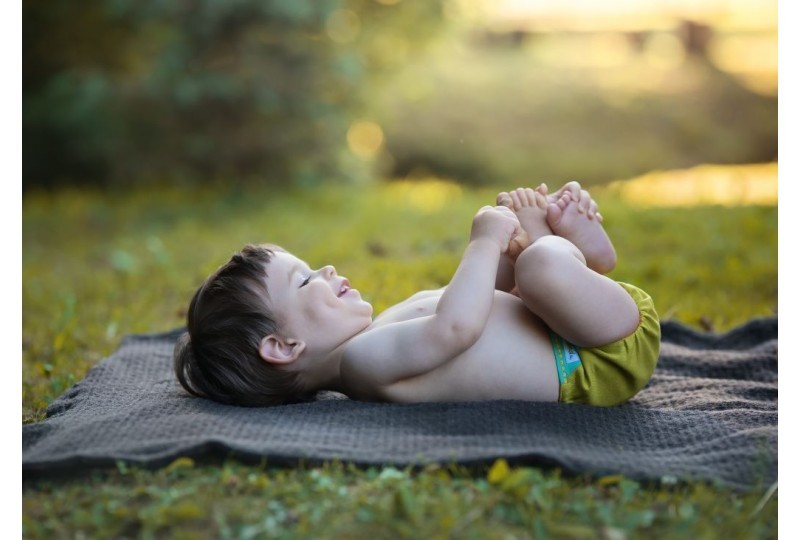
[[507, 211], [511, 216], [503, 199], [584, 202], [592, 209], [574, 188]]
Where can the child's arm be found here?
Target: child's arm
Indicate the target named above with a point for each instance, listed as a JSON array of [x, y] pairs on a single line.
[[397, 351]]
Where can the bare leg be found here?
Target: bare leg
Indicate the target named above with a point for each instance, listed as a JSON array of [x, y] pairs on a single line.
[[584, 307], [505, 275]]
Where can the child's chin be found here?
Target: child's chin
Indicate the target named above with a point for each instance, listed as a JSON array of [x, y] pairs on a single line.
[[367, 308]]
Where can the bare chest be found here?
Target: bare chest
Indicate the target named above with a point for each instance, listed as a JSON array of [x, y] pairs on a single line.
[[419, 305], [512, 359]]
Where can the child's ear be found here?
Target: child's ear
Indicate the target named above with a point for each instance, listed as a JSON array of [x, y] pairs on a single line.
[[277, 350]]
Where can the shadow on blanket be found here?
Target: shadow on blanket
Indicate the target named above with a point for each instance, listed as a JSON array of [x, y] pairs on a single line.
[[709, 413]]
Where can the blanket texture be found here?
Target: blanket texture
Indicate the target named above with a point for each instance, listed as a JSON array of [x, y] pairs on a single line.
[[710, 412]]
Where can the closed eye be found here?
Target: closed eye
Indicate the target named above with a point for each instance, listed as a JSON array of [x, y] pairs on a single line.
[[305, 281]]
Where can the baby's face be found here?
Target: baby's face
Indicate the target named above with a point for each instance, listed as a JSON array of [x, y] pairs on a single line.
[[316, 306]]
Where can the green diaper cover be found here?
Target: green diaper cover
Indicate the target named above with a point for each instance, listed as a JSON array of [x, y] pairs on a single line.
[[613, 373]]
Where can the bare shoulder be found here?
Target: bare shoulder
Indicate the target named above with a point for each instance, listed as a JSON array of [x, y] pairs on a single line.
[[364, 363], [392, 351]]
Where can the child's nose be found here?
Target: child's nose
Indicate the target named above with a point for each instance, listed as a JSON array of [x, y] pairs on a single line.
[[328, 271]]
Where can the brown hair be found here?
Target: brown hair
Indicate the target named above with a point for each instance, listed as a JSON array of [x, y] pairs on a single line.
[[217, 358]]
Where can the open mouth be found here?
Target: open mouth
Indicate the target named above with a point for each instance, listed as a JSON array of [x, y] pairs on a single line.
[[343, 288]]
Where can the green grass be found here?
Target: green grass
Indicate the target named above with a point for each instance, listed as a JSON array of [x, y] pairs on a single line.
[[232, 500], [97, 266]]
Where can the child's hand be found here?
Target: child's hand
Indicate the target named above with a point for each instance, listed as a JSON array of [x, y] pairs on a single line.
[[497, 223], [581, 196]]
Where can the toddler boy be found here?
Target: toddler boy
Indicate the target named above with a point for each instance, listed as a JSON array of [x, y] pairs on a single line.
[[528, 314]]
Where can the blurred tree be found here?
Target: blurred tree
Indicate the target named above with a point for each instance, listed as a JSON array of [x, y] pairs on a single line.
[[128, 91]]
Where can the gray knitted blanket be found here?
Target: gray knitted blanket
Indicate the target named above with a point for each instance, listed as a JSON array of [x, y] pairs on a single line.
[[709, 413]]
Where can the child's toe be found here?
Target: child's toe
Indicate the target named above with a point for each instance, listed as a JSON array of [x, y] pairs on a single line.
[[515, 200], [522, 195], [504, 199], [554, 214], [531, 197]]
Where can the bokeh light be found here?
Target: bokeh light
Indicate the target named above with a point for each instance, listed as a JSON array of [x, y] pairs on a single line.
[[365, 138]]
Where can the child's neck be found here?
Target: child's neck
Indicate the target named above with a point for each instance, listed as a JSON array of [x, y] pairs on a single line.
[[322, 372]]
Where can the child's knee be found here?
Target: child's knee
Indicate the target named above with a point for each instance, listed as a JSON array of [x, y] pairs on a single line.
[[545, 266], [546, 254]]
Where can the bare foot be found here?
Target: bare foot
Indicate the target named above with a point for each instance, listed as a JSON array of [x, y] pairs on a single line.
[[587, 204], [531, 210], [588, 235]]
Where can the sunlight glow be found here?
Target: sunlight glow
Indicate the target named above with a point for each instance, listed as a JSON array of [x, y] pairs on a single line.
[[621, 15], [429, 195], [741, 36], [752, 59], [725, 185], [664, 51]]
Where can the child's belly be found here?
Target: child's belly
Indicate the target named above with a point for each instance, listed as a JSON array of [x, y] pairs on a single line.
[[513, 359]]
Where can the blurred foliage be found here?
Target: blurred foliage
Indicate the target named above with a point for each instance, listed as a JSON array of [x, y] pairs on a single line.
[[496, 114], [130, 91], [299, 92]]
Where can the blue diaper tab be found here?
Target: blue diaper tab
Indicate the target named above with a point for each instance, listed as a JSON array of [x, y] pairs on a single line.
[[566, 355]]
